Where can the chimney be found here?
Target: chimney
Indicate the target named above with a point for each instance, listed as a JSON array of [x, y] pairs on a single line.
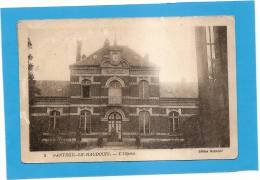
[[106, 43], [78, 55]]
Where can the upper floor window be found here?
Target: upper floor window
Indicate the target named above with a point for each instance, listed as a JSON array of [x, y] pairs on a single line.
[[115, 92], [144, 122], [174, 122], [85, 121], [143, 89], [54, 119], [85, 88]]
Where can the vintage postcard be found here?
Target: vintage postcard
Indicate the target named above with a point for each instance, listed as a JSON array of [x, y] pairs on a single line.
[[128, 89]]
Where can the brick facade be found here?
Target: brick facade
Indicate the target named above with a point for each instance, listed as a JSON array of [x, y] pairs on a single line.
[[122, 95]]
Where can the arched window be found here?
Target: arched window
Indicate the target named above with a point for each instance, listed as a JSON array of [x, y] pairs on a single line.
[[115, 93], [144, 122], [85, 88], [85, 121], [54, 119], [143, 89], [174, 122]]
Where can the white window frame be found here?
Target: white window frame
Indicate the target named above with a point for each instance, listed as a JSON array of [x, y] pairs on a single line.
[[172, 119], [142, 93], [85, 116], [55, 116], [143, 122]]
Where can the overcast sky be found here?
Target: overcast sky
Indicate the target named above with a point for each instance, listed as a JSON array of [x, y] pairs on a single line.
[[169, 42]]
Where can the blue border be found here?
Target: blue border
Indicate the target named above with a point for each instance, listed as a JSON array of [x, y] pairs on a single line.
[[246, 90]]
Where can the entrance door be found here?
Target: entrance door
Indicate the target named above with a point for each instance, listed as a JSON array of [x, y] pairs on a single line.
[[114, 126]]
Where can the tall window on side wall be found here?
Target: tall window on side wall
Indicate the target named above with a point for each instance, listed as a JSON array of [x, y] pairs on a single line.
[[144, 122], [143, 89], [174, 122], [211, 56], [115, 93], [85, 88], [85, 121], [54, 120]]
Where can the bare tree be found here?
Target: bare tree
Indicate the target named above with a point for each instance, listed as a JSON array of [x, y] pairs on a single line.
[[33, 90]]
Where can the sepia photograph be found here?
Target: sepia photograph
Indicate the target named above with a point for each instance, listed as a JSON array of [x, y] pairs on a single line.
[[127, 89]]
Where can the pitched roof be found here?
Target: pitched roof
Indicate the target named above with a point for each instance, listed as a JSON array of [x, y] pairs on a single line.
[[168, 90], [179, 90], [133, 58], [53, 88]]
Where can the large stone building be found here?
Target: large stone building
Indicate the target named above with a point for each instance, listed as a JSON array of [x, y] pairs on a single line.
[[116, 91]]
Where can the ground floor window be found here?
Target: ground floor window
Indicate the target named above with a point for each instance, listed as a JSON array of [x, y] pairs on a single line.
[[85, 121], [174, 122], [144, 122], [54, 120]]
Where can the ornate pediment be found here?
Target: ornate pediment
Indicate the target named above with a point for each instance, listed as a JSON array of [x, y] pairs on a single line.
[[110, 67], [114, 71], [111, 63]]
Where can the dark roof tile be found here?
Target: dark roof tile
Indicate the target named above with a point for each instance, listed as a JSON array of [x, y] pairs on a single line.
[[179, 90], [133, 58], [53, 88], [168, 90]]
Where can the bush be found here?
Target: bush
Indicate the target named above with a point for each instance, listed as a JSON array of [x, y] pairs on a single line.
[[100, 142], [138, 141], [191, 132], [35, 138]]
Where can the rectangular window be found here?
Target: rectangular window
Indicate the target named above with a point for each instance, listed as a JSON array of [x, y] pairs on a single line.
[[176, 123], [88, 125], [115, 93], [141, 125], [85, 121], [82, 123], [144, 89], [85, 91], [54, 120], [52, 124], [171, 128], [144, 122], [147, 126]]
